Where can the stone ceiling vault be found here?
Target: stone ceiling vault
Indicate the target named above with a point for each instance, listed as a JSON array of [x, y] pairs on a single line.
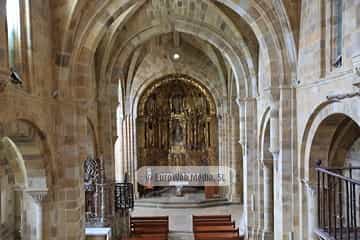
[[106, 35]]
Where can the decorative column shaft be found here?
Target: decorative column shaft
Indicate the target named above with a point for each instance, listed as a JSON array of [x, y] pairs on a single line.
[[119, 147], [39, 196], [268, 200], [311, 199], [236, 162], [248, 141]]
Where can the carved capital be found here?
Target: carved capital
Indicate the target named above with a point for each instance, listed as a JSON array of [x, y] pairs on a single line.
[[39, 195], [310, 187]]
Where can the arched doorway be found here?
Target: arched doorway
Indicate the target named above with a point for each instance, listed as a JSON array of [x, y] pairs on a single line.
[[176, 125]]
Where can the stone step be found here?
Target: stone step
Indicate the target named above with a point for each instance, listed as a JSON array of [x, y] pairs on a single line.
[[182, 204]]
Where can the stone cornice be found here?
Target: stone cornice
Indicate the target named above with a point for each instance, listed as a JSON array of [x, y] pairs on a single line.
[[338, 97]]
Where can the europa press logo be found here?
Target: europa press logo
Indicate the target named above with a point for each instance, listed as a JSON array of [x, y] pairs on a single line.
[[151, 176]]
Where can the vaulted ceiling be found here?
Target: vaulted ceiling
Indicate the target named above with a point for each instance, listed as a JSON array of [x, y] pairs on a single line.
[[133, 42]]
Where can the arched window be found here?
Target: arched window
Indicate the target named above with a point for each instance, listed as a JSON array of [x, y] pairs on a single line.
[[14, 32]]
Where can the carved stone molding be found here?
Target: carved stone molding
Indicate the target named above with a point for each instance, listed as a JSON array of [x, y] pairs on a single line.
[[338, 97], [356, 64], [39, 195]]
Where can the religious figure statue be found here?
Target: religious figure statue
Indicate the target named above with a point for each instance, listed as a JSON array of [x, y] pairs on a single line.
[[151, 105], [177, 103], [177, 132], [151, 133]]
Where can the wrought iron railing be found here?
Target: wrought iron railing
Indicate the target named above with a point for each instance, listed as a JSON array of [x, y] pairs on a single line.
[[338, 203]]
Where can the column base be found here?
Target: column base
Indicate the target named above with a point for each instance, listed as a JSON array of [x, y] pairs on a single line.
[[254, 234], [267, 236], [259, 234], [235, 199]]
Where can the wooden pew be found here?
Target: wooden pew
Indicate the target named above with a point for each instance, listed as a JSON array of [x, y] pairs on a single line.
[[217, 235], [149, 228], [199, 229], [145, 230], [160, 218], [149, 237], [213, 223], [211, 227], [211, 217], [150, 224]]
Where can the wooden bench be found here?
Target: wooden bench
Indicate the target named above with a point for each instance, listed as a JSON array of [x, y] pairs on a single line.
[[144, 230], [199, 229], [211, 227], [217, 235], [211, 217], [149, 228], [214, 223], [150, 225], [160, 218], [149, 237]]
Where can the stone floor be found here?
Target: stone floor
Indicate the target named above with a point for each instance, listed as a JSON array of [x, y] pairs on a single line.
[[181, 236], [180, 220]]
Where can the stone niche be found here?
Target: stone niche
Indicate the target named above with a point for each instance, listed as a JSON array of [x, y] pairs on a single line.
[[176, 124]]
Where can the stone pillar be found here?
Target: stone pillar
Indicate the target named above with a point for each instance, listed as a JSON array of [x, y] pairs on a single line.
[[236, 162], [267, 165], [125, 150], [311, 200], [119, 151], [39, 196], [283, 146], [248, 136]]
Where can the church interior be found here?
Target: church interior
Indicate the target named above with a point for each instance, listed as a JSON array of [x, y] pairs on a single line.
[[179, 119]]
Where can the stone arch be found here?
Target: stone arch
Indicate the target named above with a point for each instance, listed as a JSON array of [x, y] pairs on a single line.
[[30, 141], [29, 157], [265, 22], [13, 180], [328, 119], [11, 153], [263, 29], [244, 79], [344, 108], [139, 92]]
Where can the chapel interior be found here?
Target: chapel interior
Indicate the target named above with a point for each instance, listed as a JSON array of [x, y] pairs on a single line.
[[179, 119]]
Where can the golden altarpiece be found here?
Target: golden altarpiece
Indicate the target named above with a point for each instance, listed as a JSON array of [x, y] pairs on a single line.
[[177, 124]]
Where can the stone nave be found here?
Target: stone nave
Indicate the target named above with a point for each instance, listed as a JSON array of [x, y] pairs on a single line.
[[97, 97]]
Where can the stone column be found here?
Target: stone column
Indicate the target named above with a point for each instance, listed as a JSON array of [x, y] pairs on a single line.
[[285, 164], [236, 162], [248, 136], [311, 199], [267, 165], [39, 196], [119, 150]]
